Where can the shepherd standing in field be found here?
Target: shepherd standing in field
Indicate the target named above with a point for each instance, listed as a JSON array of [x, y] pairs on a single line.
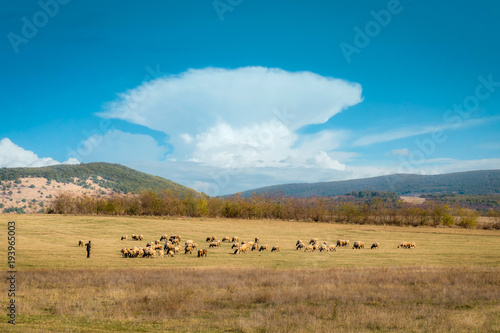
[[89, 246]]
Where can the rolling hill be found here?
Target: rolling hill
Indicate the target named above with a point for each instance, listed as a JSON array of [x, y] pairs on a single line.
[[471, 182], [31, 189]]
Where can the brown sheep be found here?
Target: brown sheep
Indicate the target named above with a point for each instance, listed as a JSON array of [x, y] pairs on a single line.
[[358, 245], [202, 253], [141, 237], [275, 248], [134, 237], [226, 239], [189, 241], [235, 239], [124, 237], [313, 240], [161, 254], [149, 244], [163, 237], [375, 246], [212, 244], [264, 248], [255, 247], [315, 246], [157, 241], [80, 243], [406, 245], [298, 242], [235, 245], [323, 248], [209, 239], [188, 249], [332, 248], [309, 248], [300, 246], [257, 239], [195, 245]]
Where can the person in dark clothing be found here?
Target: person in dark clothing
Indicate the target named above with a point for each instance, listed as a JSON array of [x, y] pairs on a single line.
[[88, 245]]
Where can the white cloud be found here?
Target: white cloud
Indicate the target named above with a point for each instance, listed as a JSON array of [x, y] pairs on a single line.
[[246, 117], [414, 131], [400, 152], [120, 147], [12, 156]]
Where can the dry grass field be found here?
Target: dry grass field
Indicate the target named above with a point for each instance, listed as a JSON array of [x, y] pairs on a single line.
[[450, 282]]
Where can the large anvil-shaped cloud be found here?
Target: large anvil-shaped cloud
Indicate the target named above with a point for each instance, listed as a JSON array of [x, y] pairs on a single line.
[[246, 116]]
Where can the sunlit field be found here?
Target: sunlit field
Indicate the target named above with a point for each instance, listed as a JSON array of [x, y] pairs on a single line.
[[449, 282]]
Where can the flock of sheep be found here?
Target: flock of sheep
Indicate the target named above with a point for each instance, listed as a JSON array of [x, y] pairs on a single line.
[[173, 246]]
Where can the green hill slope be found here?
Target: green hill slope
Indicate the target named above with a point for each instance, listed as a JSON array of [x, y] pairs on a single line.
[[115, 177], [471, 182]]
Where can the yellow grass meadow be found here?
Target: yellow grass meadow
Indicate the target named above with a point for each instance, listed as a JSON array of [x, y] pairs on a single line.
[[449, 282]]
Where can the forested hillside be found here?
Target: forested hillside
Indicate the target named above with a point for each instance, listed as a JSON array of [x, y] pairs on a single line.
[[472, 182], [115, 177]]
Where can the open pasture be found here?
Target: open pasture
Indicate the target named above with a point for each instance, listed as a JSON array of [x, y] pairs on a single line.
[[51, 241], [449, 282]]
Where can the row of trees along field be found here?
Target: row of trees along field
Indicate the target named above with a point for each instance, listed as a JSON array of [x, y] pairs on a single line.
[[366, 207]]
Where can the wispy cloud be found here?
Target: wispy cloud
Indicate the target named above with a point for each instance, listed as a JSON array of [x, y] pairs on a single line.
[[414, 131]]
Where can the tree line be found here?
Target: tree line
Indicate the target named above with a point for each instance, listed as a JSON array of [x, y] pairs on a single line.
[[344, 209]]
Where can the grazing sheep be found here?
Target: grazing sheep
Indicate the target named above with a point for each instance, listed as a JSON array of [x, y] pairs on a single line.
[[202, 253], [250, 244], [275, 248], [161, 254], [148, 244], [190, 241], [263, 248], [413, 245], [157, 241], [235, 245], [406, 245], [195, 245], [313, 240], [235, 239], [158, 247], [188, 249], [358, 245], [257, 239], [163, 237], [332, 248], [323, 248], [300, 246], [80, 243], [209, 239], [124, 237], [255, 247], [226, 239], [212, 244], [298, 242], [315, 246], [177, 249], [141, 237], [134, 237], [375, 246], [309, 248], [243, 242]]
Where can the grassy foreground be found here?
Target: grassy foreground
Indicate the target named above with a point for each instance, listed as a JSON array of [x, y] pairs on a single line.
[[450, 282]]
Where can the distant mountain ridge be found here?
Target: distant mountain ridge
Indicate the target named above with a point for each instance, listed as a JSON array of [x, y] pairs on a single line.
[[115, 177], [470, 182]]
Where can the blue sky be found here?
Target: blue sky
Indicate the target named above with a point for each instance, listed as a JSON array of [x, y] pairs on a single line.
[[229, 95]]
